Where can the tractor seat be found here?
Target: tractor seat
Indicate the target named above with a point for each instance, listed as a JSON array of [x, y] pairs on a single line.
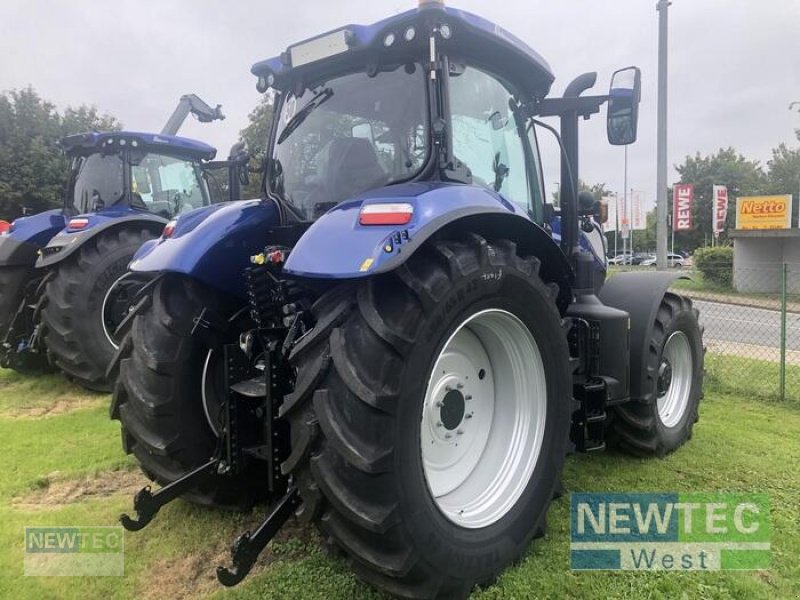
[[351, 167]]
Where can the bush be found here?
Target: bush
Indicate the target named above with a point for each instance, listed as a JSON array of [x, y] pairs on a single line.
[[716, 264]]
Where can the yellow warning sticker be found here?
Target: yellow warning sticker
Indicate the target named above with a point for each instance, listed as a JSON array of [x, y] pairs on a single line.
[[367, 264]]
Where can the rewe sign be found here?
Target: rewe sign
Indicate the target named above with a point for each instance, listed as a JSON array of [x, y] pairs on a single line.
[[720, 208], [682, 199]]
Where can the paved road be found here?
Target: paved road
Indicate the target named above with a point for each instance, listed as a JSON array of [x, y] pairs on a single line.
[[747, 325]]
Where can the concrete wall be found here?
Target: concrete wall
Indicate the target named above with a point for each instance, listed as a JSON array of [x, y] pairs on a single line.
[[757, 264]]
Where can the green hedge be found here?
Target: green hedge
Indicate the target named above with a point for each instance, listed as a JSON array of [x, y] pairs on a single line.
[[716, 264]]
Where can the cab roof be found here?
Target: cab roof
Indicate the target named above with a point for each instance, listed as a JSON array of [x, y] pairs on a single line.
[[90, 142], [473, 39]]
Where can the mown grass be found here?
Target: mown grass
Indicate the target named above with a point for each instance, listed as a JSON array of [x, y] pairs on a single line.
[[741, 443]]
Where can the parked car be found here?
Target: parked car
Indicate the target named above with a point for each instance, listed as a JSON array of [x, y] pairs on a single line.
[[623, 258], [673, 260]]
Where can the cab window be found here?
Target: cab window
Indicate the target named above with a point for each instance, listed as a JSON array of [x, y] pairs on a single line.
[[487, 139]]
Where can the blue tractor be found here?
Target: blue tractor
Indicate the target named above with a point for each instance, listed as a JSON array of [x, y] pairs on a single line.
[[401, 340], [64, 285]]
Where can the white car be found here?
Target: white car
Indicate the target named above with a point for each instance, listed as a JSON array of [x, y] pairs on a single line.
[[673, 260]]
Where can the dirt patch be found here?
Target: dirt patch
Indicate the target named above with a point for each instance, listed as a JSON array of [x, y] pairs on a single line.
[[186, 577], [64, 404], [56, 490], [194, 575]]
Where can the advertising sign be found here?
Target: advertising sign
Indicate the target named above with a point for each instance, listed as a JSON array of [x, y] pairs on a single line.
[[764, 212], [720, 208], [682, 200], [638, 220]]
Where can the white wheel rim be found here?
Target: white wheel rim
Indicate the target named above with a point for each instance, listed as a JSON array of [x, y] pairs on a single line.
[[205, 383], [106, 298], [675, 375], [483, 418]]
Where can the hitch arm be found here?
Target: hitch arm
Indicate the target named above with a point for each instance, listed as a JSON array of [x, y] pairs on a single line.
[[147, 503], [247, 547]]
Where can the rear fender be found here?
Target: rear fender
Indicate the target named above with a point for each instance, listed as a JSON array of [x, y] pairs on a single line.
[[639, 294], [338, 247], [69, 241], [212, 244], [21, 245]]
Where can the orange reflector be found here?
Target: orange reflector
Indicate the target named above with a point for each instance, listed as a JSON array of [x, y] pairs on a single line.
[[169, 229], [5, 226], [79, 223], [386, 214]]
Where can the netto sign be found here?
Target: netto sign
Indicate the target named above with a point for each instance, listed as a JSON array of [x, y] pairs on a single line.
[[764, 212]]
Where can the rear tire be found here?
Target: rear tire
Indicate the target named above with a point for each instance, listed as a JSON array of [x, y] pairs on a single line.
[[158, 396], [365, 384], [661, 421], [75, 335]]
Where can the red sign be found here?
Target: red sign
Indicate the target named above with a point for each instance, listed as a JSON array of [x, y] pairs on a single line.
[[720, 207], [682, 199]]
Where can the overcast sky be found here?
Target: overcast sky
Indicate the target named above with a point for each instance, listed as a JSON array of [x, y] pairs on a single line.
[[734, 64]]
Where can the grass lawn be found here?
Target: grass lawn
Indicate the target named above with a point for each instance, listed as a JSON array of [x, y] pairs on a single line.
[[65, 467]]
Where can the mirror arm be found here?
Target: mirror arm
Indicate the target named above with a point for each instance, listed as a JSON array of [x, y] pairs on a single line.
[[584, 106]]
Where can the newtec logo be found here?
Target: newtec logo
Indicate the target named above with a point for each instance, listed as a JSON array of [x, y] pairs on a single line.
[[69, 551], [670, 532]]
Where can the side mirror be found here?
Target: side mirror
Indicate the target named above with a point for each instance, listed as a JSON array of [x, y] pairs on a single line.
[[623, 106]]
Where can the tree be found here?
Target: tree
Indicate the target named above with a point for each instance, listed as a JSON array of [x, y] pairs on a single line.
[[256, 137], [783, 175], [33, 171], [727, 167]]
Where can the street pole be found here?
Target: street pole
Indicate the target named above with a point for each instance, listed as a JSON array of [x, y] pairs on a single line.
[[616, 225], [661, 172], [625, 243]]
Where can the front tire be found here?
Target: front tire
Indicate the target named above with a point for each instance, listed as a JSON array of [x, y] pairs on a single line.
[[160, 390], [76, 335], [661, 420], [372, 388]]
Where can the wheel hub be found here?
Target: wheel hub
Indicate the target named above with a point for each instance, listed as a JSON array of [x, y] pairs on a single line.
[[452, 409], [664, 377]]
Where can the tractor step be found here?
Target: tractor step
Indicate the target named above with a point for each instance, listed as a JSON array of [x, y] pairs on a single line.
[[147, 503], [588, 422], [247, 547]]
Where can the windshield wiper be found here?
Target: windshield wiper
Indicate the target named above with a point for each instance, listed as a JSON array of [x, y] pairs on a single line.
[[303, 113]]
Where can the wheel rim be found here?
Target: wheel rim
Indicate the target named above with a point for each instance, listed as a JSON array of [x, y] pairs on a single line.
[[674, 379], [211, 404], [117, 304], [483, 418]]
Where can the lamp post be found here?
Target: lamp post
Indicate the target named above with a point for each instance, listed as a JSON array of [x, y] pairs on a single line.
[[661, 170]]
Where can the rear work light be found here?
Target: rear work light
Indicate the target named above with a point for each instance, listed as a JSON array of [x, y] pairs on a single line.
[[169, 229], [386, 214], [79, 223]]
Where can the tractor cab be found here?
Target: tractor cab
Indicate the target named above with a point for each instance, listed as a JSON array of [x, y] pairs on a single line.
[[434, 94], [123, 171]]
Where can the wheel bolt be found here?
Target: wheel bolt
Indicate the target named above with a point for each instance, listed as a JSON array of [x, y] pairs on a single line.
[[460, 432], [439, 404], [468, 397], [468, 415], [448, 388], [447, 436], [460, 386], [439, 424]]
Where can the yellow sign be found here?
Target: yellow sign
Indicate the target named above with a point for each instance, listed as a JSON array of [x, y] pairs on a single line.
[[764, 212]]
